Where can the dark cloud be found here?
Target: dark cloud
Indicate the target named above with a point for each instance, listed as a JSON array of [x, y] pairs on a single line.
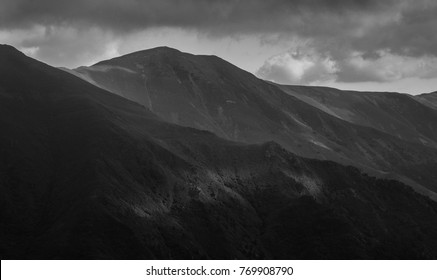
[[340, 30], [361, 24], [412, 33], [242, 15]]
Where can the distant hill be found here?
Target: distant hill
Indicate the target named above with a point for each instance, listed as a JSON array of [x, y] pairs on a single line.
[[429, 99], [396, 114], [86, 174]]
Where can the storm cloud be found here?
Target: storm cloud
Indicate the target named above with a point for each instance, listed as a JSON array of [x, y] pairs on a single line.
[[347, 40], [219, 15]]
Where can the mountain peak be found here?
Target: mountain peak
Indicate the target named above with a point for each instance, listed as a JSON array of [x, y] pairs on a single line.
[[163, 48], [9, 50], [4, 46], [164, 54], [159, 51]]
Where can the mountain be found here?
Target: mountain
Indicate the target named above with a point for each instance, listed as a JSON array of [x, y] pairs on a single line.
[[86, 174], [397, 114], [428, 99], [208, 93]]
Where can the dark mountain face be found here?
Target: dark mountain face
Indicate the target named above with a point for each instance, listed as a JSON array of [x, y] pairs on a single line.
[[428, 99], [396, 114], [386, 135], [87, 174]]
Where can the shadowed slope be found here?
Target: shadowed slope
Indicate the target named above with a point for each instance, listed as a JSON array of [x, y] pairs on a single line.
[[209, 93], [397, 114], [429, 99], [86, 174]]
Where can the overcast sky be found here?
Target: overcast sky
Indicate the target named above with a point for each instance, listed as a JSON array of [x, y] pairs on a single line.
[[374, 45]]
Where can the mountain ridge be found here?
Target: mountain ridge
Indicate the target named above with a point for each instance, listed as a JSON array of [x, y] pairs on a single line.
[[211, 94], [371, 109], [104, 178], [428, 99]]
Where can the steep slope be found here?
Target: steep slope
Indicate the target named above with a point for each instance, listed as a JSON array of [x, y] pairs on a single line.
[[397, 114], [208, 93], [428, 99], [87, 174]]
